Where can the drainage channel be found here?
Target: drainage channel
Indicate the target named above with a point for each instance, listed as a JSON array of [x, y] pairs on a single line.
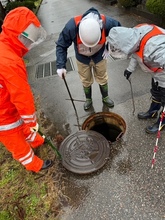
[[49, 69]]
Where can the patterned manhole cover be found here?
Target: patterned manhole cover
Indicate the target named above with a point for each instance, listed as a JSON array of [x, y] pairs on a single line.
[[84, 152]]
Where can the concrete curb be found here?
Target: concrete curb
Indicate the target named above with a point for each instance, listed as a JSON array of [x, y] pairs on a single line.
[[155, 18], [36, 11], [142, 11]]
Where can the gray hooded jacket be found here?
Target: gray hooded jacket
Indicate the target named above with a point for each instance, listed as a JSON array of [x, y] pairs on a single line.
[[128, 40]]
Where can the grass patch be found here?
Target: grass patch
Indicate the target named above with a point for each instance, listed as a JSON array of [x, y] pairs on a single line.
[[26, 195], [31, 196]]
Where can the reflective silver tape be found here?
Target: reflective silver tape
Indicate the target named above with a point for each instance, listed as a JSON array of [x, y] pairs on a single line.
[[11, 126]]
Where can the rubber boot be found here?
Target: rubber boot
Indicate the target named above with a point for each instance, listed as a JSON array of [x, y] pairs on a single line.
[[88, 95], [155, 127], [152, 112], [105, 98], [46, 164]]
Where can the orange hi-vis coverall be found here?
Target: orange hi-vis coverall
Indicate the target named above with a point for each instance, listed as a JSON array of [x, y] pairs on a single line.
[[17, 107]]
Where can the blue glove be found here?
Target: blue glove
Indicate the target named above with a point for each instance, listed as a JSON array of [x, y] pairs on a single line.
[[127, 74]]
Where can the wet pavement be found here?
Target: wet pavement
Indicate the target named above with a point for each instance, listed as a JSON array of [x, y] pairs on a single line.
[[126, 188]]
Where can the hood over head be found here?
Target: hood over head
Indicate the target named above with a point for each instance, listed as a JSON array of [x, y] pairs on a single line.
[[128, 40], [15, 22], [92, 10], [125, 39]]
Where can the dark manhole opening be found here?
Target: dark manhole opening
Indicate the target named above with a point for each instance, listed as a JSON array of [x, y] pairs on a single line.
[[110, 132], [111, 125]]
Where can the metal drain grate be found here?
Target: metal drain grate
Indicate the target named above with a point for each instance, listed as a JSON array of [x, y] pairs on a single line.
[[49, 69]]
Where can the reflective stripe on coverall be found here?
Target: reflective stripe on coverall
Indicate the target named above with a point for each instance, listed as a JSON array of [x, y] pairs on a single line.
[[17, 105], [20, 141]]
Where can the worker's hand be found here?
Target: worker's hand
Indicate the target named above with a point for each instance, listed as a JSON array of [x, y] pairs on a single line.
[[127, 74], [106, 52], [35, 128], [61, 73]]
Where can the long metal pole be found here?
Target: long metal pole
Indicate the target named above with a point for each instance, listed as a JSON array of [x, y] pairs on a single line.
[[72, 102], [77, 100], [133, 103], [49, 141]]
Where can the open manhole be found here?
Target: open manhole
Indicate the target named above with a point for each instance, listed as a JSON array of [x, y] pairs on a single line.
[[111, 125], [84, 152]]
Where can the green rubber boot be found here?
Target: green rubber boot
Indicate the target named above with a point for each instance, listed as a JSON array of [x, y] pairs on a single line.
[[88, 95], [105, 98]]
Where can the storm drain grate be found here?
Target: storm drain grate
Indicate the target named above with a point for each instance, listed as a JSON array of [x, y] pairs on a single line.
[[49, 69]]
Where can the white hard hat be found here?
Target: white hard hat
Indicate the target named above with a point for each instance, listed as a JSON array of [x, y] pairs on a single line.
[[89, 32]]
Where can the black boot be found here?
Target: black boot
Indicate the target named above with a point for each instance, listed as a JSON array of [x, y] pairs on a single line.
[[155, 127], [46, 164], [152, 112], [88, 95], [105, 98]]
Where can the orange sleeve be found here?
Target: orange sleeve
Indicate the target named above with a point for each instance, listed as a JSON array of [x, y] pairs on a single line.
[[20, 92]]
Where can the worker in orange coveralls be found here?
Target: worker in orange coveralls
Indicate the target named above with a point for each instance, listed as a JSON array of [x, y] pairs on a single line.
[[21, 31]]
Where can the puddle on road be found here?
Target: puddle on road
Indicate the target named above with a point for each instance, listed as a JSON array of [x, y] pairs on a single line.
[[123, 167], [75, 194]]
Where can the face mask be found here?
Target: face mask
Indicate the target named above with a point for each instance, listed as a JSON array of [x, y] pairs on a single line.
[[116, 53], [32, 36]]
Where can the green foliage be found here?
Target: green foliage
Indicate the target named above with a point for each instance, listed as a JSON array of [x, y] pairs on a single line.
[[156, 7], [9, 176], [33, 202], [5, 215], [29, 4], [127, 3], [24, 194]]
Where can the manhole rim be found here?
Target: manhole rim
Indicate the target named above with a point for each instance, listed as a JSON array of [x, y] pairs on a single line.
[[90, 121]]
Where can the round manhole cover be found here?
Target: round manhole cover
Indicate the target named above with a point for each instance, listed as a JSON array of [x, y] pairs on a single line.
[[84, 152]]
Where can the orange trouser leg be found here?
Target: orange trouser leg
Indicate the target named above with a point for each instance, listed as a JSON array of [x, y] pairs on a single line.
[[21, 150], [34, 138]]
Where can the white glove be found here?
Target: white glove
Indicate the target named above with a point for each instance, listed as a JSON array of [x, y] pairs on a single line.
[[106, 52], [61, 72], [33, 129]]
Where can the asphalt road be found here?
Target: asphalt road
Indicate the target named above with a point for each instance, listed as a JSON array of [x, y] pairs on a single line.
[[126, 188]]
